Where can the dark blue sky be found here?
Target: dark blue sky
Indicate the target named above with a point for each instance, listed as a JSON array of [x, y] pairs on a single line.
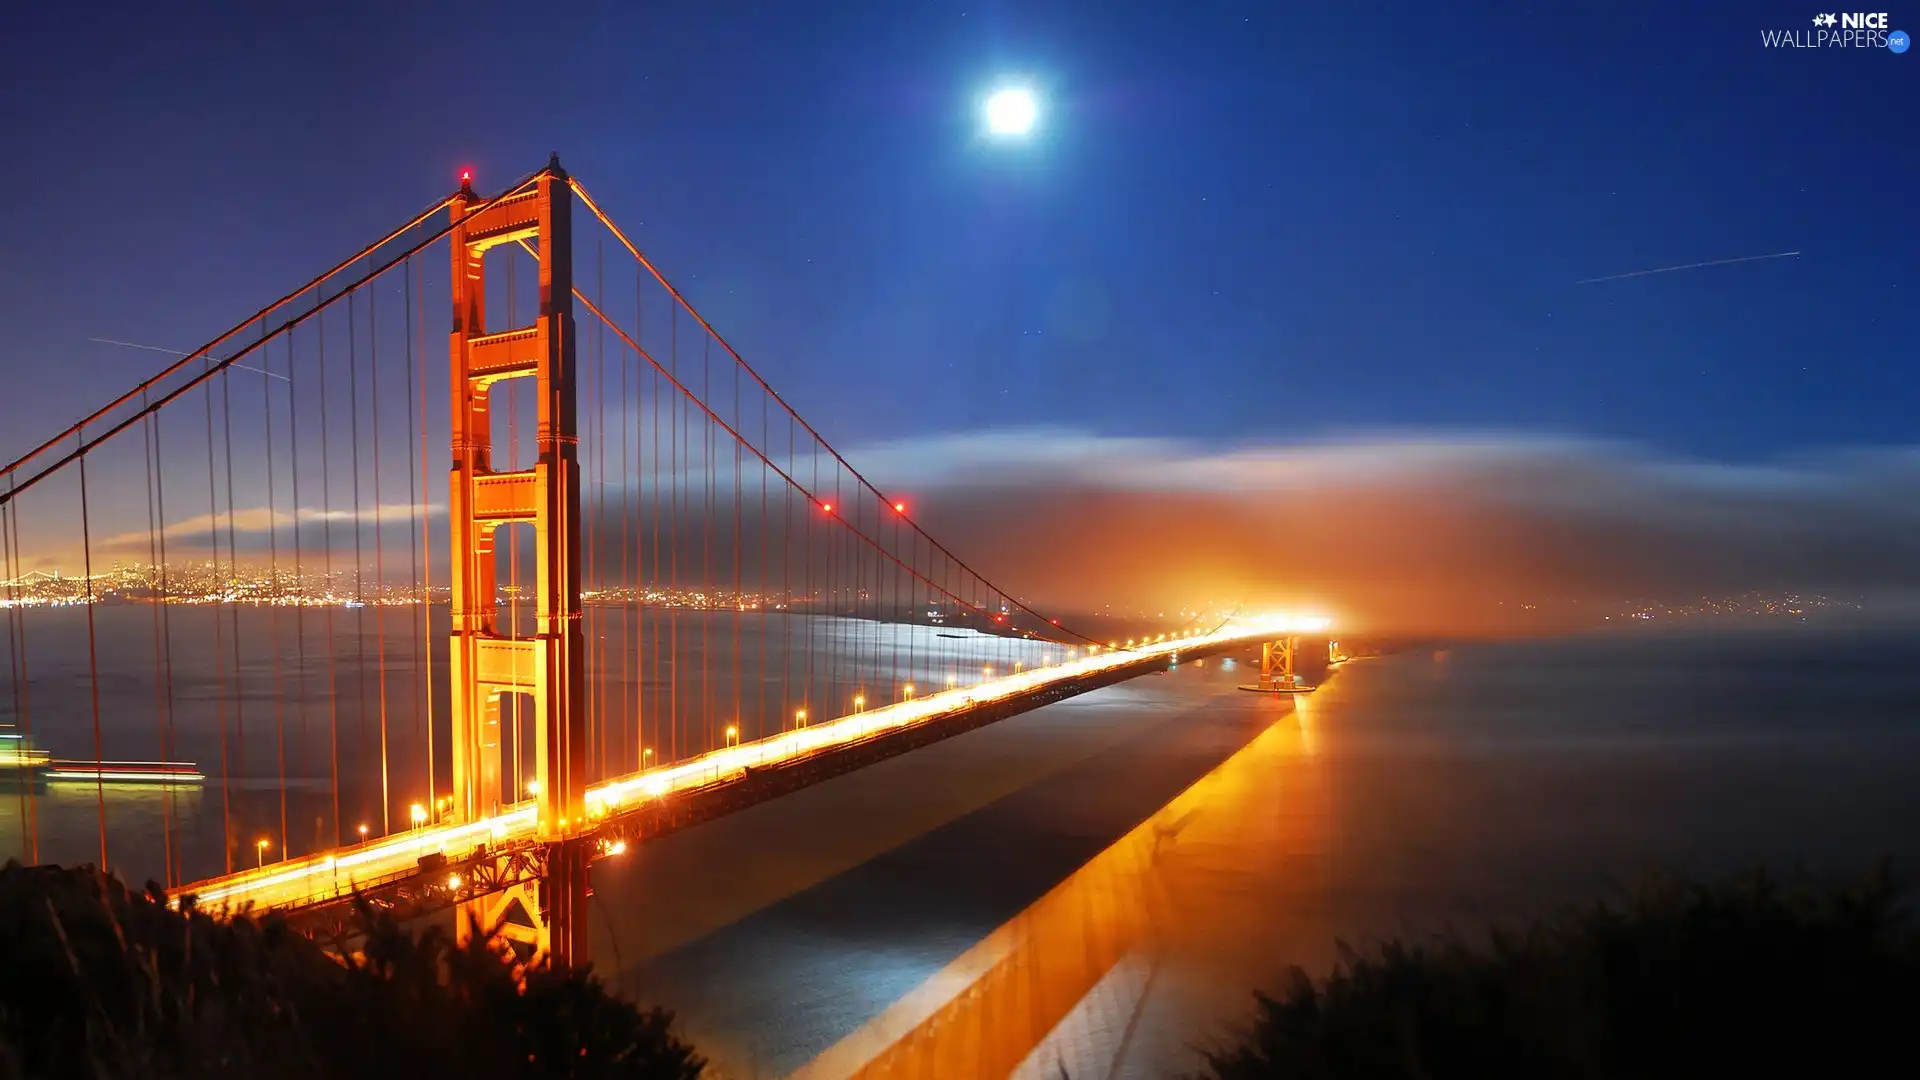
[[1240, 222]]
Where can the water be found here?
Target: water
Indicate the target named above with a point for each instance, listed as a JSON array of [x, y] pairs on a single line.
[[274, 703], [1138, 859]]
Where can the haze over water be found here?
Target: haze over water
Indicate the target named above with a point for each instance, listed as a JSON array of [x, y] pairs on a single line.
[[1137, 859], [261, 695], [1434, 788]]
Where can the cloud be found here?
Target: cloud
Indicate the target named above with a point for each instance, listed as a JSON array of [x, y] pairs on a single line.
[[1393, 531], [1414, 532], [249, 525]]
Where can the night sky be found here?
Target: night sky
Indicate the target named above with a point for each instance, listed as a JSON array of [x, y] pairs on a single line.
[[1238, 225]]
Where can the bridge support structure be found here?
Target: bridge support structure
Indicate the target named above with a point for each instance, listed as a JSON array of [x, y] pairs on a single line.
[[1276, 668], [544, 918]]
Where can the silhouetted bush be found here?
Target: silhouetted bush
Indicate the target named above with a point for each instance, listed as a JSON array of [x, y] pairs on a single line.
[[1746, 978], [98, 981]]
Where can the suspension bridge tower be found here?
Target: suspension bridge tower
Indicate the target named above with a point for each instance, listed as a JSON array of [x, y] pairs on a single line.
[[1276, 668], [546, 672]]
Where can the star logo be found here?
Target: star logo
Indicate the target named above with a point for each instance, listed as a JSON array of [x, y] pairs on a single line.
[[1824, 20]]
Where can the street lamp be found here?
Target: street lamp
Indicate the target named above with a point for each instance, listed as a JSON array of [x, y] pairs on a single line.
[[859, 702], [733, 735], [419, 815], [260, 854]]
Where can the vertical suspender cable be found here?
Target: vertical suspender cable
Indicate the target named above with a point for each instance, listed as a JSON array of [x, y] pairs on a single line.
[[706, 547], [739, 598], [359, 552], [584, 388], [628, 593], [414, 484], [423, 565], [673, 541], [640, 562], [219, 643], [166, 633], [273, 599], [326, 550], [764, 571], [93, 664], [17, 661], [654, 577], [379, 541], [233, 580], [806, 560], [596, 521], [156, 599], [786, 583], [305, 595]]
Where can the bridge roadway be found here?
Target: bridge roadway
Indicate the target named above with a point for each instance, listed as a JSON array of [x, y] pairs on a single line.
[[436, 866]]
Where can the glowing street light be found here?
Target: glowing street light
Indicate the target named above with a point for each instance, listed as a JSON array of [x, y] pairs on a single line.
[[533, 788], [733, 735], [800, 718], [859, 702], [419, 814], [363, 833], [909, 690], [899, 508], [260, 853]]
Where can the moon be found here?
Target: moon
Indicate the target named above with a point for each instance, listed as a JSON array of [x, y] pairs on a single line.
[[1011, 112]]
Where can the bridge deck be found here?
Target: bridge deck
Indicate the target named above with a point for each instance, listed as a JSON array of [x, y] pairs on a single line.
[[436, 866]]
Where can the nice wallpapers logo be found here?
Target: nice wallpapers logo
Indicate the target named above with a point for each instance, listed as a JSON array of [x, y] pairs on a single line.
[[1842, 30]]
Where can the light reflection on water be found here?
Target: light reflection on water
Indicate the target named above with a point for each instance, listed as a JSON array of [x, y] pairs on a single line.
[[254, 694], [1052, 911]]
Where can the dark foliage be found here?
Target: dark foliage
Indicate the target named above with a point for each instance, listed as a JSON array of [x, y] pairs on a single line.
[[1746, 978], [98, 981]]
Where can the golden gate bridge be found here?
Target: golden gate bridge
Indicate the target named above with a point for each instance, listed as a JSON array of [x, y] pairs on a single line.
[[653, 594]]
